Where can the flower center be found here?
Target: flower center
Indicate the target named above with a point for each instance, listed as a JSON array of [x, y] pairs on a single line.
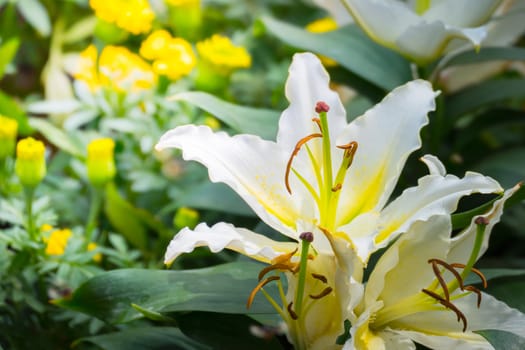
[[438, 296], [328, 189]]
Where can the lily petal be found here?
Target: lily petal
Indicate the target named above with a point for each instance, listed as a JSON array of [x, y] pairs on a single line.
[[386, 135], [434, 165], [251, 166], [307, 84], [461, 13], [434, 195], [464, 341], [226, 236]]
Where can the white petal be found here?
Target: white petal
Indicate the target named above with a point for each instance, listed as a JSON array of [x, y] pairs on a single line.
[[445, 342], [403, 269], [307, 84], [336, 9], [386, 135], [434, 195], [225, 236], [461, 13], [434, 165], [462, 244], [508, 24], [252, 167]]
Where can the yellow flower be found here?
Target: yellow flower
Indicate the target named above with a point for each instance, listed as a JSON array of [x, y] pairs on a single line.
[[30, 166], [186, 217], [220, 51], [98, 256], [57, 242], [134, 16], [8, 130], [177, 3], [323, 25], [100, 163], [172, 57], [118, 69]]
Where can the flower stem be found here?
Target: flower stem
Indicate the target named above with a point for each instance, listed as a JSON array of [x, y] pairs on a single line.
[[29, 196], [94, 209]]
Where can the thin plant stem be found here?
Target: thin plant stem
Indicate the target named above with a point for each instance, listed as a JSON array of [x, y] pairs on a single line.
[[94, 210]]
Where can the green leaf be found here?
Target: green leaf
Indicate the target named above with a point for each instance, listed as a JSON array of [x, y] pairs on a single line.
[[224, 331], [502, 340], [7, 53], [487, 54], [36, 14], [58, 137], [224, 288], [123, 218], [144, 338], [486, 93], [214, 196], [10, 108], [248, 120], [509, 290], [351, 48], [507, 167]]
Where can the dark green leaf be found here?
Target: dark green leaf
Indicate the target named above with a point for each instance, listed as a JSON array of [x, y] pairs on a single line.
[[487, 54], [145, 338], [509, 290], [224, 288], [351, 48], [488, 92], [248, 120], [508, 167], [501, 340], [224, 331]]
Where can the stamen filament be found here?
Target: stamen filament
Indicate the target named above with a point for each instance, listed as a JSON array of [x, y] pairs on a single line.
[[259, 287], [274, 304], [296, 150], [308, 186], [317, 169]]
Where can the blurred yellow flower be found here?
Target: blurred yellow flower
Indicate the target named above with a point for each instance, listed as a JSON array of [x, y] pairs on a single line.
[[100, 163], [220, 51], [118, 69], [8, 130], [98, 256], [134, 16], [57, 242], [182, 2], [323, 25], [30, 166], [172, 57]]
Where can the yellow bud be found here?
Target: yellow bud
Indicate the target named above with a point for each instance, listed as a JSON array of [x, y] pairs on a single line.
[[185, 17], [30, 166], [212, 122], [323, 25], [8, 129], [100, 162], [57, 242], [98, 256], [222, 53], [186, 217]]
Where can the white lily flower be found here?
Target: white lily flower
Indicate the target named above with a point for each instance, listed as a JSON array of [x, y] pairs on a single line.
[[416, 292], [421, 30], [327, 178]]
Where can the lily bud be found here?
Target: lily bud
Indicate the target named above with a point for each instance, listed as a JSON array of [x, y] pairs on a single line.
[[30, 166], [8, 129], [100, 162]]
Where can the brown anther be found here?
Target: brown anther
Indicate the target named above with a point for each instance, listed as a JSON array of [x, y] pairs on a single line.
[[475, 290], [450, 268], [320, 278], [318, 122], [291, 312], [440, 279], [481, 220], [280, 267], [324, 293], [446, 303], [258, 288], [296, 150], [336, 188], [284, 258], [350, 150], [476, 271], [321, 107]]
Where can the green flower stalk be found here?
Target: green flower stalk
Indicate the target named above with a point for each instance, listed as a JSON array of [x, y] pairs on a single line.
[[30, 167], [100, 170]]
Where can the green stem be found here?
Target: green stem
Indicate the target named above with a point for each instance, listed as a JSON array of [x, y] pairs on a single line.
[[305, 246], [29, 196], [94, 209]]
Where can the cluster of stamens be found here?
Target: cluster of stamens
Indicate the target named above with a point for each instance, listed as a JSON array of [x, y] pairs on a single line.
[[445, 299]]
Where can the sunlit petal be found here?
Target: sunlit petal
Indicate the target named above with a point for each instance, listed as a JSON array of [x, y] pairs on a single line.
[[225, 236]]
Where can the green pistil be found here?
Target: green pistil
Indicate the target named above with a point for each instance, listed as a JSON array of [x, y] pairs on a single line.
[[327, 162], [306, 239], [422, 6]]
